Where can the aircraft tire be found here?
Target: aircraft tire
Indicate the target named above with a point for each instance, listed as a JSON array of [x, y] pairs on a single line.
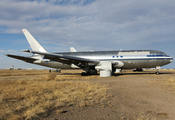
[[157, 73], [83, 74], [93, 72]]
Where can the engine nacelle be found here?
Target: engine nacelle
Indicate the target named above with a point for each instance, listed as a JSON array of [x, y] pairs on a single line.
[[74, 66], [37, 61], [105, 68], [117, 64], [105, 73]]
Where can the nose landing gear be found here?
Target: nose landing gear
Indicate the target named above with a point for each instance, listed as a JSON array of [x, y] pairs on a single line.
[[158, 68]]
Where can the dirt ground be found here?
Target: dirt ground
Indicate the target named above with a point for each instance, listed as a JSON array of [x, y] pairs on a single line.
[[133, 97]]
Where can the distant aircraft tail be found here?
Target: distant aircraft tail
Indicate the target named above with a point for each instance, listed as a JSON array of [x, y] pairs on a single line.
[[72, 49], [33, 42]]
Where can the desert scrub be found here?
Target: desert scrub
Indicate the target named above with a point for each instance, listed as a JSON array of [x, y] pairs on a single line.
[[28, 99]]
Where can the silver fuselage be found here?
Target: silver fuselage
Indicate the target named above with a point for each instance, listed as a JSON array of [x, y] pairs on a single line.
[[130, 58]]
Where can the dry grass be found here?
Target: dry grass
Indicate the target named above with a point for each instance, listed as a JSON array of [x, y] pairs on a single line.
[[21, 99], [22, 72], [63, 77], [44, 75], [167, 84]]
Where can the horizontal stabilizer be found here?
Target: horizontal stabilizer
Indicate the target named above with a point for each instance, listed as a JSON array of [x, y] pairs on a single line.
[[25, 51], [21, 57]]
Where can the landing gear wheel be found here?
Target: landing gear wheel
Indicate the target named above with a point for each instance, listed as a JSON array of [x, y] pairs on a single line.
[[93, 72], [158, 68], [157, 73], [83, 74]]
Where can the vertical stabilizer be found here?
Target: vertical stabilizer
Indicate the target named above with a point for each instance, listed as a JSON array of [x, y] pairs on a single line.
[[72, 49], [33, 42]]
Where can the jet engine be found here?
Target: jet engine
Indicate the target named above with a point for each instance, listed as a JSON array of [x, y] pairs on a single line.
[[117, 64], [105, 68], [37, 61]]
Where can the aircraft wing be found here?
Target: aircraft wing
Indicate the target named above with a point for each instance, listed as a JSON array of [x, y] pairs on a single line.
[[27, 59], [64, 58]]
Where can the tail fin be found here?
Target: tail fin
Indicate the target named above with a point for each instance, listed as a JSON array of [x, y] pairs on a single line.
[[33, 42], [72, 49]]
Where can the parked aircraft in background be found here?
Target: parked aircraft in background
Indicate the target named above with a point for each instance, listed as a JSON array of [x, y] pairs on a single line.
[[106, 62], [72, 49]]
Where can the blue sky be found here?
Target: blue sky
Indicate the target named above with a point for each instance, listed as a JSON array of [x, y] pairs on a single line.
[[86, 25]]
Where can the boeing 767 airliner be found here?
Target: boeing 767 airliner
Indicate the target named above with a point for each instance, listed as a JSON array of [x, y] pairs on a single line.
[[107, 62]]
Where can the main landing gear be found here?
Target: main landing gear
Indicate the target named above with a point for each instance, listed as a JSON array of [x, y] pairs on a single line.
[[91, 72], [56, 70]]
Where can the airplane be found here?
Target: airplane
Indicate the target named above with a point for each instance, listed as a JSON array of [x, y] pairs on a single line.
[[106, 62]]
